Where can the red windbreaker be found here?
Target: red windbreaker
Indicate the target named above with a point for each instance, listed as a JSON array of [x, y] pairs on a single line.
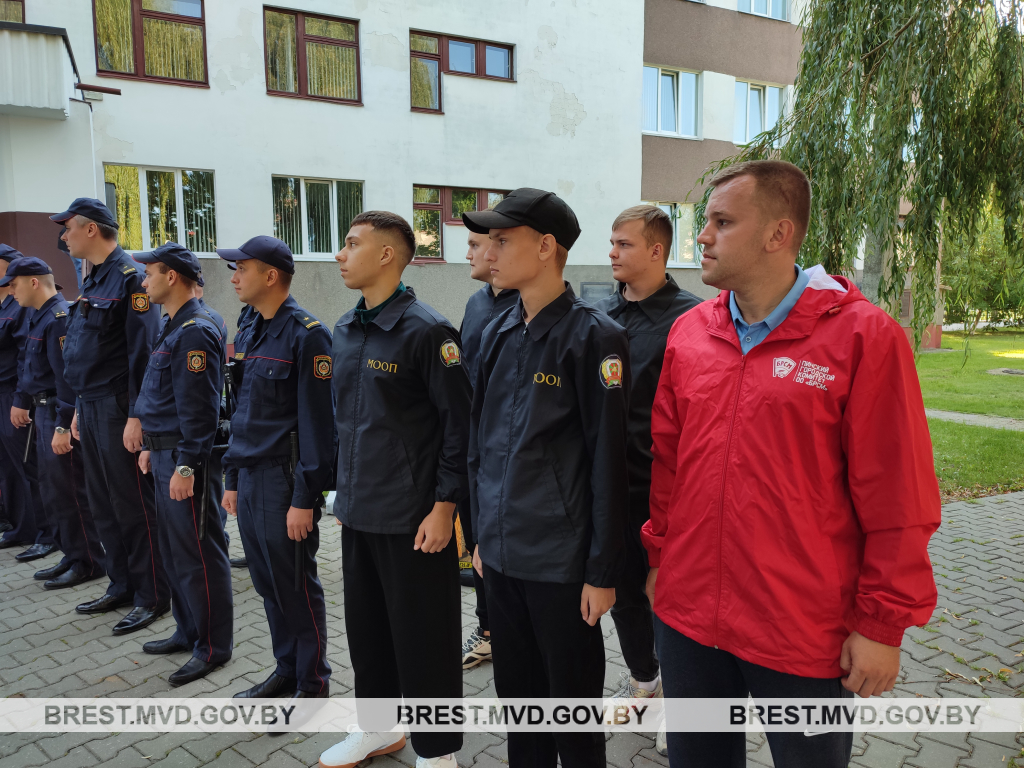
[[793, 490]]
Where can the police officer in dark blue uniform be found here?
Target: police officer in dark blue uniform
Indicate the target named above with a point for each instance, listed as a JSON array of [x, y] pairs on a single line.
[[279, 462], [179, 406], [63, 493], [244, 324], [110, 337], [19, 480]]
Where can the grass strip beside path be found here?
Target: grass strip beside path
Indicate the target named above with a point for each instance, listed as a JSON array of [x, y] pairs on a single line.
[[951, 383], [976, 461]]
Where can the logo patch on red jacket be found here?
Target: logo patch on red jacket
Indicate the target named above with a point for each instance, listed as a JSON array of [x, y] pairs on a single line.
[[814, 375], [140, 302], [322, 366], [611, 372], [196, 361], [782, 367]]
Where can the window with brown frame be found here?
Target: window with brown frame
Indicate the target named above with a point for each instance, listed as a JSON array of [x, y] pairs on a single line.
[[311, 57], [162, 40], [433, 207], [12, 10], [431, 54]]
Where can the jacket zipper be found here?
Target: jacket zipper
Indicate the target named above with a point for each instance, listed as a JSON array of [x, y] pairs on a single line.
[[355, 420], [721, 497], [508, 447]]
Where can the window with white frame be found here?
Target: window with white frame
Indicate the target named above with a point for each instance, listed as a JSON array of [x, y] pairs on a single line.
[[775, 9], [758, 108], [313, 215], [155, 205], [685, 251], [669, 101]]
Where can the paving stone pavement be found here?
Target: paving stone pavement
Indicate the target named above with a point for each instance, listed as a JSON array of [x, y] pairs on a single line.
[[972, 647], [976, 419]]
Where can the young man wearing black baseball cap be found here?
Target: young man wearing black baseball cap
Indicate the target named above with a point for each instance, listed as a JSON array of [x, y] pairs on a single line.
[[547, 471]]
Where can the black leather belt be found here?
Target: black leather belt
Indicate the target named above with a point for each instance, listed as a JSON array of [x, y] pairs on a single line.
[[43, 398], [161, 442]]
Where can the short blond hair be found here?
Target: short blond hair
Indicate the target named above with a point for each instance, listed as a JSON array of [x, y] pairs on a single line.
[[657, 225], [783, 191]]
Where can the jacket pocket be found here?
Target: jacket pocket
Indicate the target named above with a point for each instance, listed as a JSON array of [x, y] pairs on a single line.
[[401, 462], [98, 316], [558, 507], [156, 372], [267, 383]]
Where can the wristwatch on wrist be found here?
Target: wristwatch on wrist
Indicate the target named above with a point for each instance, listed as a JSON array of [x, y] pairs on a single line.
[[184, 471], [62, 430]]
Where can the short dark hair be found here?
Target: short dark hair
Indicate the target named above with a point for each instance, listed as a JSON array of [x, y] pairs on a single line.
[[392, 224], [187, 281], [284, 277], [782, 188], [106, 231]]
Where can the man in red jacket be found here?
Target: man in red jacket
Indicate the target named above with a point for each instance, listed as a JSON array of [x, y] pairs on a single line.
[[793, 491]]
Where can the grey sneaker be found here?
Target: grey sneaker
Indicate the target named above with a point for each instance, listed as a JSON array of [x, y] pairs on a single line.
[[630, 689]]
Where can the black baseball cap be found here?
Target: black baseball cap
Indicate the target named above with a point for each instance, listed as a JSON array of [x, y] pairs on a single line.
[[544, 211], [176, 257], [89, 207], [27, 266], [7, 253], [263, 248]]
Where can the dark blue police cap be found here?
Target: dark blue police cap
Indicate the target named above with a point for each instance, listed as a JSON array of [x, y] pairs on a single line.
[[26, 266], [89, 207], [9, 254], [176, 257], [263, 248]]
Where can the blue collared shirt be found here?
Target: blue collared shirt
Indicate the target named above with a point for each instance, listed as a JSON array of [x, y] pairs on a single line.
[[752, 335]]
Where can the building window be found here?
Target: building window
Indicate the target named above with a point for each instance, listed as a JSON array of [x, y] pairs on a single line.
[[776, 9], [433, 207], [162, 40], [315, 57], [12, 10], [685, 251], [313, 215], [669, 102], [758, 108], [148, 202], [430, 55]]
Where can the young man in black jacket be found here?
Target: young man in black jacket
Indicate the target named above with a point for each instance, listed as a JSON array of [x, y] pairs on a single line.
[[402, 417], [482, 307], [547, 471]]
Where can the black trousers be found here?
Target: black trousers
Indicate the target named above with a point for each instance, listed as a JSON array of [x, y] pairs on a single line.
[[632, 614], [297, 619], [19, 482], [197, 568], [478, 581], [122, 504], [404, 623], [543, 648], [64, 498], [691, 670], [216, 480]]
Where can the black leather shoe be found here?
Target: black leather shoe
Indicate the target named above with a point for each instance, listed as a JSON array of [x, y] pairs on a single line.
[[274, 687], [104, 604], [6, 543], [76, 574], [35, 552], [193, 670], [239, 562], [139, 618], [5, 526], [52, 572], [324, 694], [303, 714], [161, 647]]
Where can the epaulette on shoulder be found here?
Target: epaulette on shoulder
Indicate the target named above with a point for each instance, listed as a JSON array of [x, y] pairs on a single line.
[[128, 269], [58, 312], [187, 323], [305, 319]]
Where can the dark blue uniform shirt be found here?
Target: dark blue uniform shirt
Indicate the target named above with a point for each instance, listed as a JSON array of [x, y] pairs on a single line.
[[403, 402], [482, 307], [13, 334], [286, 387], [221, 327], [111, 332], [44, 358], [181, 389]]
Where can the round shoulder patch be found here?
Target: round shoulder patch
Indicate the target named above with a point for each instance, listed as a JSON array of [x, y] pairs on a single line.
[[322, 366], [196, 361], [140, 302], [450, 353], [611, 371]]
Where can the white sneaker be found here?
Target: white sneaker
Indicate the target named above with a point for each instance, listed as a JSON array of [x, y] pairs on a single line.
[[476, 649], [445, 761], [661, 742], [630, 689], [361, 745]]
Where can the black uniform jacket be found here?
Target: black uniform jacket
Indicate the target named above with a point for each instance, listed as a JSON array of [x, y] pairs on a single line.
[[44, 359], [482, 307], [403, 401], [647, 322], [13, 334], [547, 450]]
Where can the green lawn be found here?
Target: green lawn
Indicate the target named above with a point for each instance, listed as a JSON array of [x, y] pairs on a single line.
[[976, 461], [955, 381]]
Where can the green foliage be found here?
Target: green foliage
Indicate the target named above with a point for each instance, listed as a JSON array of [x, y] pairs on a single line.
[[906, 100], [960, 381], [983, 278]]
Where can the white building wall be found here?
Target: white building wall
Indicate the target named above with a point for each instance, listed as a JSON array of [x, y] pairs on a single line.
[[569, 124]]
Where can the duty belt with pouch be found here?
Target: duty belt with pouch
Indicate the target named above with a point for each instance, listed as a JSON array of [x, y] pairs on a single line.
[[169, 442], [42, 400]]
